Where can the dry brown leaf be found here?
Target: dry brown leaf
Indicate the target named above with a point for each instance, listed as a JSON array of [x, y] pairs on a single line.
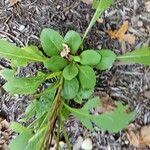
[[139, 138], [120, 33], [88, 2], [133, 138], [12, 2], [107, 103]]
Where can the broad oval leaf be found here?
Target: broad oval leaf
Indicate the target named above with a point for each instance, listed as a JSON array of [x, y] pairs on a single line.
[[140, 56], [51, 41], [107, 59], [70, 71], [90, 57], [16, 85], [83, 94], [55, 63], [87, 77], [20, 56], [70, 88], [73, 40]]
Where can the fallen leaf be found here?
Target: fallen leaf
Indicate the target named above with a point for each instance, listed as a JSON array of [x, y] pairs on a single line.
[[139, 138], [120, 33], [147, 5], [133, 138], [12, 2], [88, 2], [107, 104]]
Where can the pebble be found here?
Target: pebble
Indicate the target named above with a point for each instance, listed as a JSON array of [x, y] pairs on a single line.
[[142, 29], [21, 28], [140, 23], [147, 5], [78, 143], [87, 144]]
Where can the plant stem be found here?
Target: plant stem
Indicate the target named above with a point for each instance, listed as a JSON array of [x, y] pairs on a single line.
[[65, 135], [54, 113], [58, 133]]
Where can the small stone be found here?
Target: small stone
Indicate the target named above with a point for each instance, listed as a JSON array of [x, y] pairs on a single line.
[[140, 23], [99, 46], [21, 28], [58, 7], [87, 144], [147, 5], [100, 20], [126, 142], [78, 143], [142, 29], [62, 145]]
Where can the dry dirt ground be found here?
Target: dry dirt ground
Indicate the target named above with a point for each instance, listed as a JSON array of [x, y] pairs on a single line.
[[22, 25]]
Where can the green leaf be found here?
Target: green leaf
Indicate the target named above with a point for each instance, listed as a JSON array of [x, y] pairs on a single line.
[[73, 40], [16, 85], [102, 6], [140, 56], [55, 63], [33, 143], [107, 59], [65, 113], [70, 71], [21, 141], [95, 4], [113, 121], [83, 94], [76, 58], [31, 109], [70, 88], [17, 127], [87, 77], [83, 114], [90, 57], [51, 41], [20, 56], [116, 120]]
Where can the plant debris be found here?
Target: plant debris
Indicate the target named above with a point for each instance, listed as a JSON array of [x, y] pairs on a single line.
[[139, 138], [121, 35], [4, 134], [107, 104], [65, 51], [12, 2]]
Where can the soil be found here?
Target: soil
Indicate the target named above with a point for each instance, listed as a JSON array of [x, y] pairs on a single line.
[[22, 25]]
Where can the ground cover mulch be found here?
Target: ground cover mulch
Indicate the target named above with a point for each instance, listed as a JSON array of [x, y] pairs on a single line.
[[22, 25]]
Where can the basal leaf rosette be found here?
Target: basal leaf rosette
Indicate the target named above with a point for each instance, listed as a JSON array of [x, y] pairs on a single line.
[[76, 67]]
